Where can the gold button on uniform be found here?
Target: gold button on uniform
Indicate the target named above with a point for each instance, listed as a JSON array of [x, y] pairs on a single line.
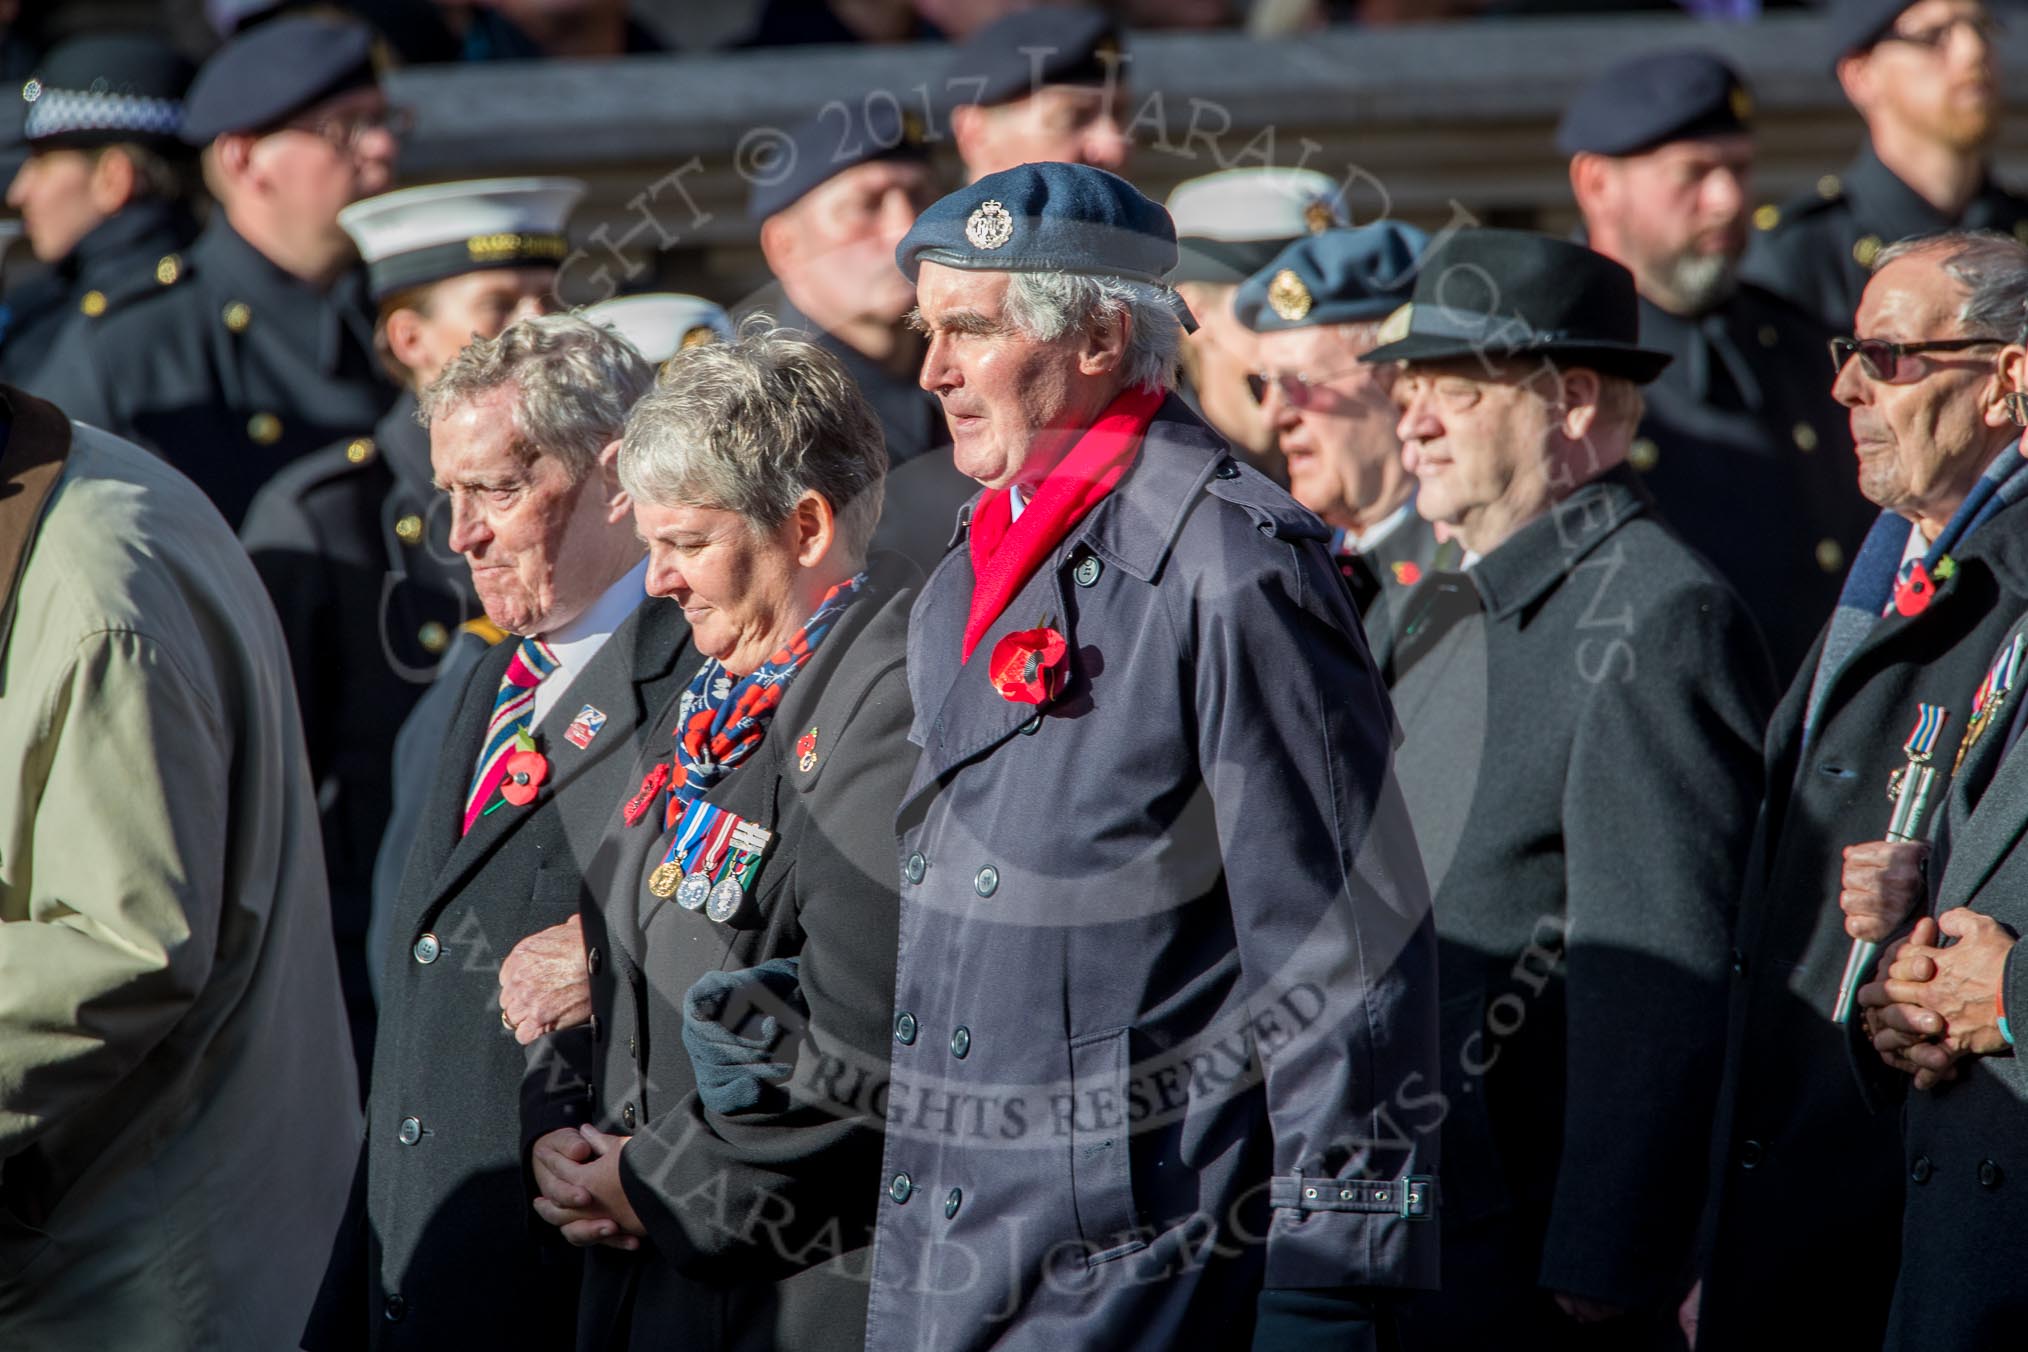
[[168, 269], [409, 528], [359, 450], [1865, 249], [1828, 187], [1769, 335], [237, 316], [264, 428], [93, 304], [433, 637], [1805, 435], [1644, 454], [1830, 555], [1766, 216]]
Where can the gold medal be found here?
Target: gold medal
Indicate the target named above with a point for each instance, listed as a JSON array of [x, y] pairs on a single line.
[[664, 881]]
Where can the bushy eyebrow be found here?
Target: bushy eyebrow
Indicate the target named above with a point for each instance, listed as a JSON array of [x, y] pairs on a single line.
[[957, 321]]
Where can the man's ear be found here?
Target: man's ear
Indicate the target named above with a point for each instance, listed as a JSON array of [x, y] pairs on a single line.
[[1579, 392], [779, 240], [404, 328], [968, 130], [1105, 344], [619, 506], [231, 158], [1590, 183], [1855, 77], [2004, 400]]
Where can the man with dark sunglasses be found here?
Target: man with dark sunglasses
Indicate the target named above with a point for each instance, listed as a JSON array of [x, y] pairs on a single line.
[[1802, 1228], [1924, 76]]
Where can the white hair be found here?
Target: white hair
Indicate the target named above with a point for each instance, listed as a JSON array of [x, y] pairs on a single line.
[[1048, 305]]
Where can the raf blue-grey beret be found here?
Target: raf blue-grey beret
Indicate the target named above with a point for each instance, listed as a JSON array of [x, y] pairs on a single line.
[[1654, 99], [1346, 276], [820, 149], [270, 73], [1857, 24], [1045, 218], [1012, 58]]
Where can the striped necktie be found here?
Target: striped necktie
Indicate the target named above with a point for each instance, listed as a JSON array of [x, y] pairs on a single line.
[[513, 710]]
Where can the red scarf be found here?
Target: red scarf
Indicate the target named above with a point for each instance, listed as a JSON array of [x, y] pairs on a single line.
[[1006, 552]]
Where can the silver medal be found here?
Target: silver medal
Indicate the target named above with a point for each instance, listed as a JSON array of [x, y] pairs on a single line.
[[726, 899], [694, 892]]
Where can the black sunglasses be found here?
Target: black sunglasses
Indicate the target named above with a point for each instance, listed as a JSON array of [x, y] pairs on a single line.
[[1882, 360]]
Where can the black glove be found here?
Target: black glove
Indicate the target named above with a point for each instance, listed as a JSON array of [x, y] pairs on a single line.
[[733, 1070]]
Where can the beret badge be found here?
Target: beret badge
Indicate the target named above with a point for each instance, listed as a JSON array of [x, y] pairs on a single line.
[[1317, 216], [990, 226], [1288, 297], [1741, 103]]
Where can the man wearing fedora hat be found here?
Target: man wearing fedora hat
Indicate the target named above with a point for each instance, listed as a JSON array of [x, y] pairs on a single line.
[[1586, 682]]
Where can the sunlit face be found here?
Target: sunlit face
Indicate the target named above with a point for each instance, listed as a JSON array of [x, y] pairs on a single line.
[[53, 193], [329, 156], [1335, 420], [1677, 217], [835, 247], [460, 309], [1920, 438], [542, 549], [737, 584], [1219, 357], [1478, 444], [1011, 400], [1935, 74], [1072, 124]]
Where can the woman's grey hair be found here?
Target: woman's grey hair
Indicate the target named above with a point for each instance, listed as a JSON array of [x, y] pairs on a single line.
[[750, 426], [1048, 305], [574, 382], [1990, 266]]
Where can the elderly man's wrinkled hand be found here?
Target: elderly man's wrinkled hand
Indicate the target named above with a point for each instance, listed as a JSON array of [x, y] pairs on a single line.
[[1881, 883], [543, 986], [1959, 983]]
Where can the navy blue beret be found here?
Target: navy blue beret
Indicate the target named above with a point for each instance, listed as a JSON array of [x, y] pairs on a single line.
[[270, 73], [1857, 24], [822, 148], [1651, 100], [1345, 276], [1045, 218], [96, 90], [1012, 58]]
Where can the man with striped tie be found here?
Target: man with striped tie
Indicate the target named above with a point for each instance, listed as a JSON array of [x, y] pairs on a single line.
[[440, 1250]]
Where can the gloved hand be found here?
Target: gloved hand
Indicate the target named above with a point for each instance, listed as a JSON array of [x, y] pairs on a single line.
[[734, 1071]]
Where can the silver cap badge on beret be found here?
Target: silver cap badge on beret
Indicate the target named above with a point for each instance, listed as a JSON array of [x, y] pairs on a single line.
[[990, 226]]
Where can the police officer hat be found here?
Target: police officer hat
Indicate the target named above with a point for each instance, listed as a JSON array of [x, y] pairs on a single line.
[[419, 235], [269, 73], [1230, 223], [661, 324], [1048, 217], [1339, 277], [104, 89], [819, 150], [1013, 57], [1514, 293], [1654, 99]]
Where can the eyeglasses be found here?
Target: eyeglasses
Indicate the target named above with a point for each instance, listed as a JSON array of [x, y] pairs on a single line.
[[345, 133], [1986, 26], [1298, 389], [1882, 360]]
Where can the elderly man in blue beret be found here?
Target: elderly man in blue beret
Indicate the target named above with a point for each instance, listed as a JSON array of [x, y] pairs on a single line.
[[1318, 307], [1165, 1002]]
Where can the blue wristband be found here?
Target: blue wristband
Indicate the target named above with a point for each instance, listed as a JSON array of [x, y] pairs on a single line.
[[2005, 1032]]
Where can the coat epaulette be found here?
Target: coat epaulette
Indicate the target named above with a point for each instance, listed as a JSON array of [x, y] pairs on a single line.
[[1273, 511]]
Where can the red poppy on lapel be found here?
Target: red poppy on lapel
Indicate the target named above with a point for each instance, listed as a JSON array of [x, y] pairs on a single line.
[[651, 784], [1027, 665], [1912, 594], [1407, 573], [525, 772]]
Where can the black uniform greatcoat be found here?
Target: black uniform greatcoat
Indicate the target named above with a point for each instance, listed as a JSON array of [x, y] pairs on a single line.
[[450, 1253], [1964, 1150], [1750, 459], [1817, 250], [1801, 1226], [826, 893], [123, 258], [1165, 981], [1581, 717], [1382, 577], [353, 544], [230, 372]]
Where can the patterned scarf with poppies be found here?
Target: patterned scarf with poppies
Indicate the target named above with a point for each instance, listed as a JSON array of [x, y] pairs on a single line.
[[721, 719]]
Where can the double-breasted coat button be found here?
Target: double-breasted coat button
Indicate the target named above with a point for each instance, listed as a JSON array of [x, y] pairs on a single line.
[[359, 450], [409, 529], [237, 315], [904, 1028], [410, 1131], [952, 1201], [961, 1042], [1989, 1174], [988, 881], [168, 268], [1920, 1170], [591, 963], [915, 867], [1804, 435], [901, 1188], [393, 1308], [1087, 571], [628, 1115], [265, 429], [433, 637], [93, 305], [428, 949], [1751, 1153]]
